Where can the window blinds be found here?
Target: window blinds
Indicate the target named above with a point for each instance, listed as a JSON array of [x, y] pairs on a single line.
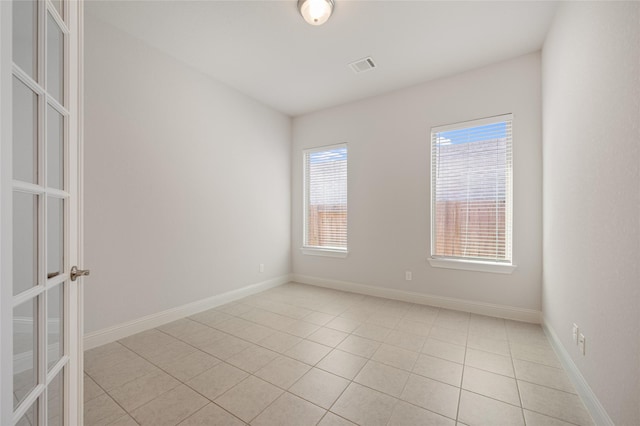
[[325, 176], [471, 178]]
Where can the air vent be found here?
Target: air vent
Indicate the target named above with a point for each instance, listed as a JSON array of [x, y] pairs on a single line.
[[362, 65]]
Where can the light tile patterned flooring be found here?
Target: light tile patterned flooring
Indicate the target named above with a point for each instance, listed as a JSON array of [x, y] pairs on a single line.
[[301, 355]]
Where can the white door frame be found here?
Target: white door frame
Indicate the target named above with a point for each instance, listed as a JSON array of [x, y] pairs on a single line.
[[6, 303], [74, 311], [76, 122]]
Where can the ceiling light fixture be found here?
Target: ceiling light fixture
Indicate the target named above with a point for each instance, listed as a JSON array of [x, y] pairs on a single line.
[[316, 12]]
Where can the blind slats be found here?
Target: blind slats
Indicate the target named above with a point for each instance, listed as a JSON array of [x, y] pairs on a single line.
[[471, 190], [325, 173]]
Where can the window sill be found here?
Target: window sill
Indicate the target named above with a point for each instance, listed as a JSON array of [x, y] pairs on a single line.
[[312, 251], [472, 265]]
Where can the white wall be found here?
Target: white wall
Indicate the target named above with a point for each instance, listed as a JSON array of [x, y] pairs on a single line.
[[389, 183], [591, 92], [187, 183]]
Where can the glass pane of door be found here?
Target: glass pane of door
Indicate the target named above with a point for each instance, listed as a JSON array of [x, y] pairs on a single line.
[[31, 416], [55, 318], [55, 148], [25, 35], [25, 359], [55, 236], [25, 241], [25, 134], [55, 409], [55, 59]]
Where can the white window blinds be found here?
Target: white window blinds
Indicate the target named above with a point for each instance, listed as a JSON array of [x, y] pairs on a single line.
[[471, 190], [325, 180]]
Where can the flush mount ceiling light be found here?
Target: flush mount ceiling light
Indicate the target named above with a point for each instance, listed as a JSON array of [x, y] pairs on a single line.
[[316, 12]]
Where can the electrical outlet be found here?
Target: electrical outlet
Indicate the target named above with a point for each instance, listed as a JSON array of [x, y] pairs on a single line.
[[575, 333], [261, 267], [408, 276], [582, 342]]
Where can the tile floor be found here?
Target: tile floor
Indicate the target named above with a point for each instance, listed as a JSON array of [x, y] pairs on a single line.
[[301, 355]]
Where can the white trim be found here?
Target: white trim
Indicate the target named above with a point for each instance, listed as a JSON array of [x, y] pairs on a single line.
[[316, 251], [73, 372], [30, 188], [76, 296], [472, 123], [499, 311], [324, 148], [470, 265], [6, 212], [111, 334], [590, 400], [6, 203], [28, 295]]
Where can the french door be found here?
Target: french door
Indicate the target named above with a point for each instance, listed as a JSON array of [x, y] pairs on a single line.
[[41, 366]]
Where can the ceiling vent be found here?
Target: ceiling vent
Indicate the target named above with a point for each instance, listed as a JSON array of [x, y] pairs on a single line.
[[362, 65]]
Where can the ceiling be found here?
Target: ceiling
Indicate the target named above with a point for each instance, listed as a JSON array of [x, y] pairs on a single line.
[[267, 51]]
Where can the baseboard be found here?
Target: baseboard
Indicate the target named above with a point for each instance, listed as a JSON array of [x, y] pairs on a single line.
[[111, 334], [500, 311], [598, 413]]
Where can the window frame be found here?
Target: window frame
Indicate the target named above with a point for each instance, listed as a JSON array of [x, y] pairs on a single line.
[[461, 263], [320, 250]]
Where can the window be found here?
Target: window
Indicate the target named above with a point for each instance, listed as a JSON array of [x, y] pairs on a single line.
[[325, 201], [471, 195]]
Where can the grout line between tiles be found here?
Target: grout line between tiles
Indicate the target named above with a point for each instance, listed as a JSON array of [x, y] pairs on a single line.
[[112, 398], [464, 364], [524, 419]]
